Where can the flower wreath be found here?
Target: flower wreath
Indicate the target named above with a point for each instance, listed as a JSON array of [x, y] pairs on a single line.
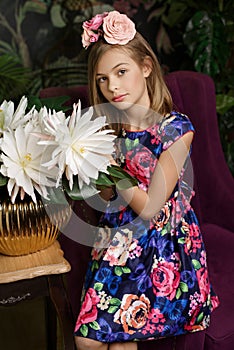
[[114, 27]]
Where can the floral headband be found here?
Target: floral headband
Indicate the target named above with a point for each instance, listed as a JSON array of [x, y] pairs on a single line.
[[114, 27]]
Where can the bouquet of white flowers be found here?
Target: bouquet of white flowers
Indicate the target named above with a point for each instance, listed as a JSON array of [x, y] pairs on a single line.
[[43, 150]]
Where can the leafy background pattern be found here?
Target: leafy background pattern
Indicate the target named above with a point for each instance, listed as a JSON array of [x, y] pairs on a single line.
[[40, 45]]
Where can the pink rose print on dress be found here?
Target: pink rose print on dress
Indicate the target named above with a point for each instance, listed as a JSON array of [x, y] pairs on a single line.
[[141, 163], [165, 278], [193, 240], [88, 311], [202, 276]]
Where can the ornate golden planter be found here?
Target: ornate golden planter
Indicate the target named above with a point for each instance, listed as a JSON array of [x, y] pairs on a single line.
[[26, 227]]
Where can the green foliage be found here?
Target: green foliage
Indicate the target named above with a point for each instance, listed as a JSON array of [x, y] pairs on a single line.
[[224, 103], [13, 78], [54, 103], [116, 177], [206, 42], [3, 180]]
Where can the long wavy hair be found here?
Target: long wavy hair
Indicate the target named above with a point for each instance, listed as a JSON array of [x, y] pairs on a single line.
[[137, 49]]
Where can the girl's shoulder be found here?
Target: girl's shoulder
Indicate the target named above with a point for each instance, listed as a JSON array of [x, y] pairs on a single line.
[[177, 120], [173, 126]]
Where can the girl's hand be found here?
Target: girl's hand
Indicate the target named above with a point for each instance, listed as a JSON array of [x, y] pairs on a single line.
[[112, 161]]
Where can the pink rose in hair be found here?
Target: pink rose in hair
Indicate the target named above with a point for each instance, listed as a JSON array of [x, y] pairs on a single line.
[[88, 37], [118, 28], [92, 29], [95, 22]]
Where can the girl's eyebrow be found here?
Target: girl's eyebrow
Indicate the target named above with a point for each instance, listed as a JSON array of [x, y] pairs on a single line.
[[117, 65]]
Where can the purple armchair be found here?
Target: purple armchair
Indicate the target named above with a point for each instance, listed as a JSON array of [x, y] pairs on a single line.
[[194, 94]]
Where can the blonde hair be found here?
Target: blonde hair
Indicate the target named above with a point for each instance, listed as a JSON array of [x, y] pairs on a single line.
[[137, 49]]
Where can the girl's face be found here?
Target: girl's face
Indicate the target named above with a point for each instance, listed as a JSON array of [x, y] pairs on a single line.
[[121, 81]]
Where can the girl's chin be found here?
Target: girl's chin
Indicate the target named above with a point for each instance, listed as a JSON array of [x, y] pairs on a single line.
[[122, 105]]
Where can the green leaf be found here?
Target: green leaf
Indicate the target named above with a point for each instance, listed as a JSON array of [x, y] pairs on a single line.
[[76, 193], [115, 301], [224, 103], [200, 317], [177, 13], [118, 271], [183, 286], [56, 16], [3, 180], [196, 264], [126, 269], [14, 78], [128, 144], [131, 143], [181, 240], [104, 180], [84, 330], [35, 6], [56, 196], [94, 325], [117, 174], [54, 103], [95, 265], [136, 142], [164, 231], [98, 286], [178, 293], [112, 309], [206, 42]]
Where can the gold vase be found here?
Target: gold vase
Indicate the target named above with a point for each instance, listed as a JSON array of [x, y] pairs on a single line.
[[26, 227]]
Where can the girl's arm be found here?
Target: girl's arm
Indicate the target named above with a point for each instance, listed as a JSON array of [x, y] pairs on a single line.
[[166, 174]]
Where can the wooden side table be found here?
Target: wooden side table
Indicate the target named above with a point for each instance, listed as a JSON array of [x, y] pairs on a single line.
[[36, 275]]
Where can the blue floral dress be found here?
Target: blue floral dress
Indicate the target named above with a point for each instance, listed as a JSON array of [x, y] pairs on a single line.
[[148, 279]]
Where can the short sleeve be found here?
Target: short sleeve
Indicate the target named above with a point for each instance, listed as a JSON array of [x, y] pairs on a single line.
[[173, 127]]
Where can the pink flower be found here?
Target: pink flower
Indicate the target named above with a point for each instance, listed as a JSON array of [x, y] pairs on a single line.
[[92, 29], [88, 311], [95, 22], [118, 28], [155, 316], [141, 163], [165, 279], [214, 301], [204, 285], [89, 37]]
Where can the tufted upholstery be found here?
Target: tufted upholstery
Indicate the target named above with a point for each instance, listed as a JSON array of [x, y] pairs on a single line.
[[193, 94]]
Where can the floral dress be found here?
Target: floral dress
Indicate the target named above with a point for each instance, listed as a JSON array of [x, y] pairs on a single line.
[[148, 279]]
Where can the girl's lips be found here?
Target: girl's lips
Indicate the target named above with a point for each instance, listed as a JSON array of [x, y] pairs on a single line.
[[118, 98]]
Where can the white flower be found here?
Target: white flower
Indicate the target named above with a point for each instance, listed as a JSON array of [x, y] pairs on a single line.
[[39, 147], [21, 157], [11, 119], [82, 148]]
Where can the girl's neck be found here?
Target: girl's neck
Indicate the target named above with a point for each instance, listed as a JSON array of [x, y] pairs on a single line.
[[142, 119]]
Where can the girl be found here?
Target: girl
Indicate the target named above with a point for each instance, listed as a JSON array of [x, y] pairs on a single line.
[[148, 276]]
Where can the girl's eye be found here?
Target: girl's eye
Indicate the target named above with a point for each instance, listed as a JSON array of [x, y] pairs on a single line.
[[101, 80], [122, 71]]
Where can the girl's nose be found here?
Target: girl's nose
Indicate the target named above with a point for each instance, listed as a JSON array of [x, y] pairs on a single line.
[[113, 85]]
